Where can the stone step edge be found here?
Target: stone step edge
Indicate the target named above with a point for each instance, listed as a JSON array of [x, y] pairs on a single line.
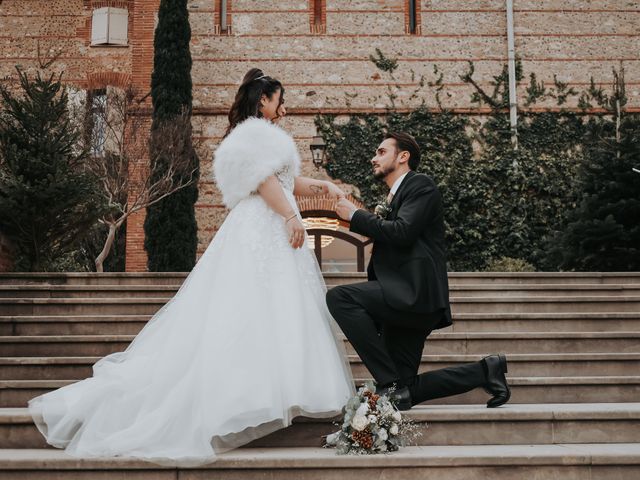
[[483, 274], [324, 458], [464, 287], [458, 413], [456, 316], [432, 337], [453, 300], [363, 274], [514, 357], [513, 381]]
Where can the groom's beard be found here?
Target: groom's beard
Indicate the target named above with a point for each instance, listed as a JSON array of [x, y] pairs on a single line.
[[382, 172]]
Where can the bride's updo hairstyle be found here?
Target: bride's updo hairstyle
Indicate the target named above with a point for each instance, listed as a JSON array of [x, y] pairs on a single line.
[[247, 102]]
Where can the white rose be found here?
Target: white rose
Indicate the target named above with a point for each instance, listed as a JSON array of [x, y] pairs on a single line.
[[359, 422], [332, 439], [394, 429], [397, 416], [382, 434], [363, 409], [372, 418]]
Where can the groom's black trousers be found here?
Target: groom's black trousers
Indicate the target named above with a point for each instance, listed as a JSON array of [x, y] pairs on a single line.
[[390, 343]]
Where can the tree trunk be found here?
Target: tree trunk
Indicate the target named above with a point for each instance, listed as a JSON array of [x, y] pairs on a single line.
[[113, 227]]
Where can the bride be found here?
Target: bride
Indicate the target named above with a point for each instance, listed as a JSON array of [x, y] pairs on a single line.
[[245, 345]]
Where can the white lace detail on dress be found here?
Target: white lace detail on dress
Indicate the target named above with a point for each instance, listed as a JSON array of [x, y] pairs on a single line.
[[286, 178]]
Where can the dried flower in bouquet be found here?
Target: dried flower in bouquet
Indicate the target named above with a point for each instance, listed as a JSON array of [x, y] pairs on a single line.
[[383, 209], [372, 424]]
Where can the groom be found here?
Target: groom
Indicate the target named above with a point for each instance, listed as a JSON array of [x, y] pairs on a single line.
[[388, 318]]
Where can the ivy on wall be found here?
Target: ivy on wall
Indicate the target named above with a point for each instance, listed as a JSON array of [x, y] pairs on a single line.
[[500, 202]]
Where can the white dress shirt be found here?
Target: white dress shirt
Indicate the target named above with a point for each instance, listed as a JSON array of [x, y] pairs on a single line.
[[396, 186]]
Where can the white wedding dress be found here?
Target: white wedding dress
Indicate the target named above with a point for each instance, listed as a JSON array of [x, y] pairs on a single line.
[[245, 345]]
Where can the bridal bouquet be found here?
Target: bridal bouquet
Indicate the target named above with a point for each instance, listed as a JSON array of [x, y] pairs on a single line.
[[371, 425]]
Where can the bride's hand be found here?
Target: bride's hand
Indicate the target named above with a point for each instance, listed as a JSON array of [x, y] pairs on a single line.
[[296, 232], [333, 191]]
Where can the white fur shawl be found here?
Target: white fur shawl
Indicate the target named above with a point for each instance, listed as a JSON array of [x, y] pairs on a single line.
[[254, 150]]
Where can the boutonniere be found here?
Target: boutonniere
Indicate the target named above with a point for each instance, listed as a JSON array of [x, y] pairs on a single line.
[[383, 209]]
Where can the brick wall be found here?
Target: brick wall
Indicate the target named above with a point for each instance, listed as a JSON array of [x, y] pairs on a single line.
[[327, 69], [62, 28]]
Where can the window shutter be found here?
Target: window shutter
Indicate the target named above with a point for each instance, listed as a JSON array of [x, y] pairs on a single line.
[[118, 25], [100, 26]]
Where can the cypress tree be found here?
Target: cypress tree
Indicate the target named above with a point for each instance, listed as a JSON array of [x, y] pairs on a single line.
[[170, 225]]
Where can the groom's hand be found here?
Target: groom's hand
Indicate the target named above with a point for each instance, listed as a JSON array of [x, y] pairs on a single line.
[[345, 209]]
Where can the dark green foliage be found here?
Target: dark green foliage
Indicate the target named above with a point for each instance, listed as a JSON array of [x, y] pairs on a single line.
[[48, 201], [499, 202], [385, 64], [508, 264], [499, 97], [171, 87], [447, 156], [603, 233], [170, 225], [353, 144]]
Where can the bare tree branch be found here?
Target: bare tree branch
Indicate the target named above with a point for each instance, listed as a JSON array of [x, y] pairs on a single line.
[[128, 184]]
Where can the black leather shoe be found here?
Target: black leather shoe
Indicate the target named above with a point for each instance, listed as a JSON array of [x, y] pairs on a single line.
[[400, 397], [496, 367]]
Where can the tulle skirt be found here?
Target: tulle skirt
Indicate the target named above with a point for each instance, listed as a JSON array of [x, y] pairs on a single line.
[[245, 345]]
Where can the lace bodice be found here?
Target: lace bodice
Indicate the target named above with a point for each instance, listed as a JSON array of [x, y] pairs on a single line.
[[285, 177]]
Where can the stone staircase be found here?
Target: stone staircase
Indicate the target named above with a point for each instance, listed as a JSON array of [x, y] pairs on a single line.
[[573, 344]]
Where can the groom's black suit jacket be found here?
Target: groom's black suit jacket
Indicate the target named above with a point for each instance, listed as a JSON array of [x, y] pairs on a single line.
[[409, 255]]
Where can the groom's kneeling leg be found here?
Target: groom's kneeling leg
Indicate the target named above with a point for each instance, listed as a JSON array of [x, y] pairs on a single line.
[[346, 304], [447, 382]]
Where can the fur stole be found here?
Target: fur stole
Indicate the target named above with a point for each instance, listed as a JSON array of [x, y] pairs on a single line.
[[254, 150]]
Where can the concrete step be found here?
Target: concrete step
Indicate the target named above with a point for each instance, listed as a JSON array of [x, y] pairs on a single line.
[[455, 278], [545, 304], [77, 346], [478, 305], [545, 322], [90, 291], [440, 425], [463, 323], [471, 290], [465, 278], [92, 278], [484, 343], [440, 343], [128, 278], [81, 306], [548, 290], [74, 324], [520, 365], [589, 389], [469, 462]]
